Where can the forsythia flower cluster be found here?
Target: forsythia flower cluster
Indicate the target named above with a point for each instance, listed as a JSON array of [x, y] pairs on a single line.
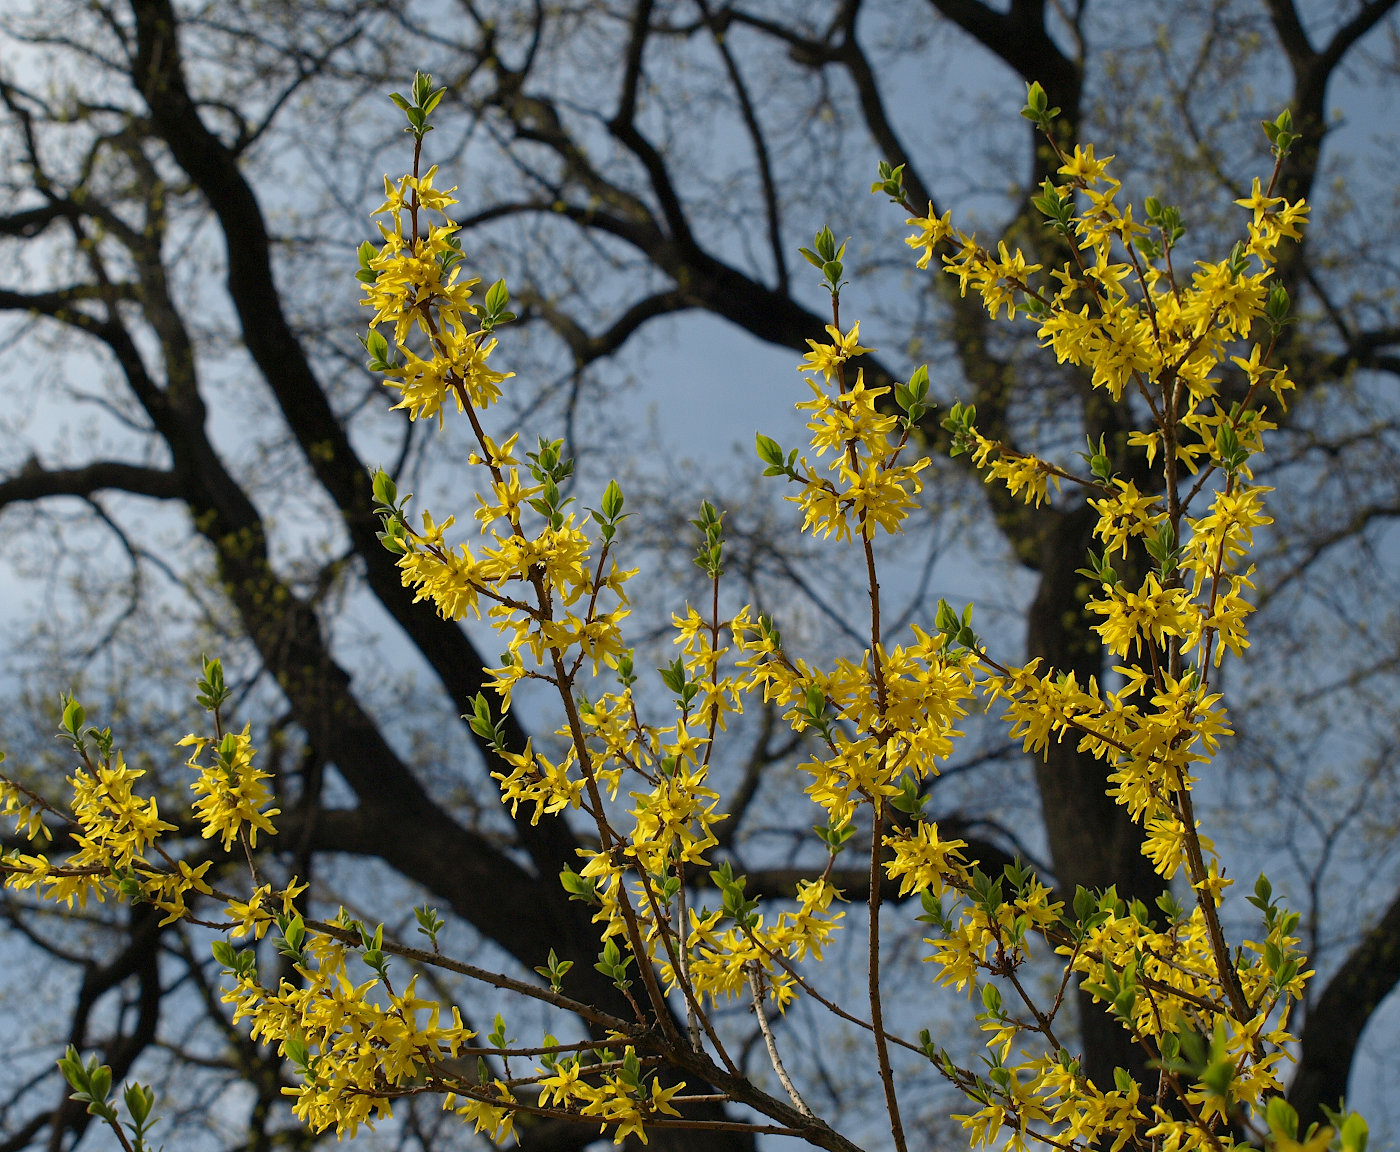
[[875, 727], [116, 832]]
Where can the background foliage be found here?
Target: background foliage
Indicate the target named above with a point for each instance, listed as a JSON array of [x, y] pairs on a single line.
[[191, 425]]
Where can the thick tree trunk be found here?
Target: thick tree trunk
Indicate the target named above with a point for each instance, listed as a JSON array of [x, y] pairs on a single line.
[[1337, 1018]]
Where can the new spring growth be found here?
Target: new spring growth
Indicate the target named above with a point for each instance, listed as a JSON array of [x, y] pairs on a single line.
[[1280, 133], [429, 924], [1056, 206], [610, 514], [391, 511], [674, 677], [495, 311], [1167, 230], [73, 730], [613, 964], [708, 556], [484, 726], [827, 259], [957, 630], [834, 837], [912, 397], [1037, 110], [960, 424], [92, 1085], [554, 971], [211, 692], [1100, 466], [550, 468], [890, 182], [418, 106], [771, 453]]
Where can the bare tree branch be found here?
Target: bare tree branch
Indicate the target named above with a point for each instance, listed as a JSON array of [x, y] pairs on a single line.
[[35, 482]]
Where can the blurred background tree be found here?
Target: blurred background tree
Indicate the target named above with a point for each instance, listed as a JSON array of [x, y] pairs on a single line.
[[190, 425]]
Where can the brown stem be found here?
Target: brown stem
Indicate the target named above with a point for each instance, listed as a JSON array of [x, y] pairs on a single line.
[[683, 936], [1229, 977], [877, 1014], [694, 1010], [756, 989], [486, 976]]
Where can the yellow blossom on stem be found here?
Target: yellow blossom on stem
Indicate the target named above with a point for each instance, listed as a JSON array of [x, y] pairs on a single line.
[[932, 231], [826, 359], [232, 796]]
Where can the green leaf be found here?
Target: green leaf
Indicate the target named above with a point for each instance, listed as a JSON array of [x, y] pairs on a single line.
[[578, 887], [945, 619], [366, 253], [909, 799], [1036, 110], [1170, 906], [918, 382], [393, 537], [1282, 1118], [554, 971], [612, 501], [890, 182], [933, 910], [429, 922], [73, 1069], [673, 676], [1354, 1133], [497, 297], [1218, 1076], [769, 451], [210, 688], [73, 716], [139, 1101], [1263, 893], [297, 1050], [226, 954], [99, 1087], [386, 492]]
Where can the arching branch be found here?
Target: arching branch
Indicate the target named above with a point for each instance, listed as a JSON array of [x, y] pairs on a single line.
[[34, 482]]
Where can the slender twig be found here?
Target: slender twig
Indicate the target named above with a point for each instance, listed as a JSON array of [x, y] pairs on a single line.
[[877, 1013], [754, 970]]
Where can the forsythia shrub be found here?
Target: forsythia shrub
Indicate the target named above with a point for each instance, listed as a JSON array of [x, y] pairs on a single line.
[[1212, 1015]]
